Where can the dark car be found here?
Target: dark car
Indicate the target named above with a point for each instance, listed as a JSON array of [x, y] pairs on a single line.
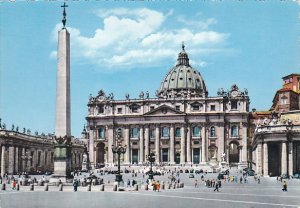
[[221, 176], [296, 175], [191, 175], [285, 176], [250, 172], [186, 171], [198, 171]]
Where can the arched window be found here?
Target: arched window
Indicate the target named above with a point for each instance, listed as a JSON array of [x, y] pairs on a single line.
[[234, 131], [165, 132], [135, 132], [212, 131], [177, 132], [196, 131]]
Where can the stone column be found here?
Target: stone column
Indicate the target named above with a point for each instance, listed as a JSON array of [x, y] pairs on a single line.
[[3, 160], [23, 160], [221, 142], [244, 143], [91, 146], [259, 159], [11, 159], [203, 145], [182, 145], [111, 142], [265, 159], [291, 168], [141, 144], [147, 140], [17, 160], [284, 161], [188, 145], [127, 142], [157, 149], [172, 144], [240, 154]]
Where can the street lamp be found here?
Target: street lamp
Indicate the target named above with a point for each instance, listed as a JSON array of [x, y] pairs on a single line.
[[119, 150], [151, 159], [26, 157]]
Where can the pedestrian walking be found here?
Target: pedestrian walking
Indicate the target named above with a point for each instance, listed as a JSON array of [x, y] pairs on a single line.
[[196, 183], [75, 184], [284, 186], [216, 187]]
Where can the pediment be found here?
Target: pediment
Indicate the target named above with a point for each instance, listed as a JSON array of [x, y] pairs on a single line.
[[164, 110]]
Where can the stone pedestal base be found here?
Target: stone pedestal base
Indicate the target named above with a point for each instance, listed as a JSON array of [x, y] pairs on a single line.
[[60, 178]]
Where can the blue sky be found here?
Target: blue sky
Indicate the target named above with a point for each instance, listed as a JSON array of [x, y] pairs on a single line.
[[128, 46]]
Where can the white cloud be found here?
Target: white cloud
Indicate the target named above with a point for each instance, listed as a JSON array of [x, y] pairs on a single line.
[[200, 24], [138, 38]]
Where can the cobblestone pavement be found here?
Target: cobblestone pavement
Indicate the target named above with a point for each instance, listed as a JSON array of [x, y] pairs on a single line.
[[266, 194]]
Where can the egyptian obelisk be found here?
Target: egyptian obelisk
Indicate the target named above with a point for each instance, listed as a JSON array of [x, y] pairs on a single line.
[[63, 144]]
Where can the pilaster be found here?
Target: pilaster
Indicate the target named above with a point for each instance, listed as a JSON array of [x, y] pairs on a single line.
[[141, 144], [203, 145], [188, 145], [172, 144], [157, 141], [182, 145], [265, 159]]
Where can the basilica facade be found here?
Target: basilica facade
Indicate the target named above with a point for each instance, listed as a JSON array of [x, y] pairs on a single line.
[[181, 125]]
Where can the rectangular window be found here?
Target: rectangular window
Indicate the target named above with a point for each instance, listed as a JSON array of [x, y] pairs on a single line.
[[134, 109], [151, 108], [119, 110], [101, 133], [100, 109], [233, 104], [165, 153], [177, 107], [177, 132], [135, 132], [195, 107], [212, 108], [152, 133], [196, 131], [165, 132]]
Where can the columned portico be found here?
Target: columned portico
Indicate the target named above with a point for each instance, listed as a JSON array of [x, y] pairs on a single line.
[[147, 141], [284, 161], [127, 143], [157, 141], [172, 146], [182, 145], [141, 144], [188, 145], [203, 145], [265, 159], [110, 144], [290, 162]]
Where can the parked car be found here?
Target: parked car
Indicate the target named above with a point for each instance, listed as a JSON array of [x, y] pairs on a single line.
[[285, 176], [221, 176], [198, 171], [191, 175], [191, 170], [186, 171], [296, 175], [250, 172]]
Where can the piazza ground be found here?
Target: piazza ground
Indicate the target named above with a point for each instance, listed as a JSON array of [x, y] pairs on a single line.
[[251, 194]]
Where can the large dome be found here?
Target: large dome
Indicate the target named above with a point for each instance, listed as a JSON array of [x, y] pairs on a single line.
[[182, 80]]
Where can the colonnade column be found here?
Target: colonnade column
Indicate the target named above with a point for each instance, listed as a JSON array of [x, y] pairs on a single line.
[[259, 159], [3, 160], [203, 145], [244, 143], [221, 142], [111, 139], [141, 144], [11, 159], [157, 150], [172, 146], [127, 143], [146, 141], [265, 159], [91, 146], [283, 158], [188, 145], [17, 159], [182, 145], [23, 160], [291, 168]]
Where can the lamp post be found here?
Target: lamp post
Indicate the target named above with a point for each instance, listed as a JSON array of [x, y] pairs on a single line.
[[119, 150], [26, 157], [151, 159]]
